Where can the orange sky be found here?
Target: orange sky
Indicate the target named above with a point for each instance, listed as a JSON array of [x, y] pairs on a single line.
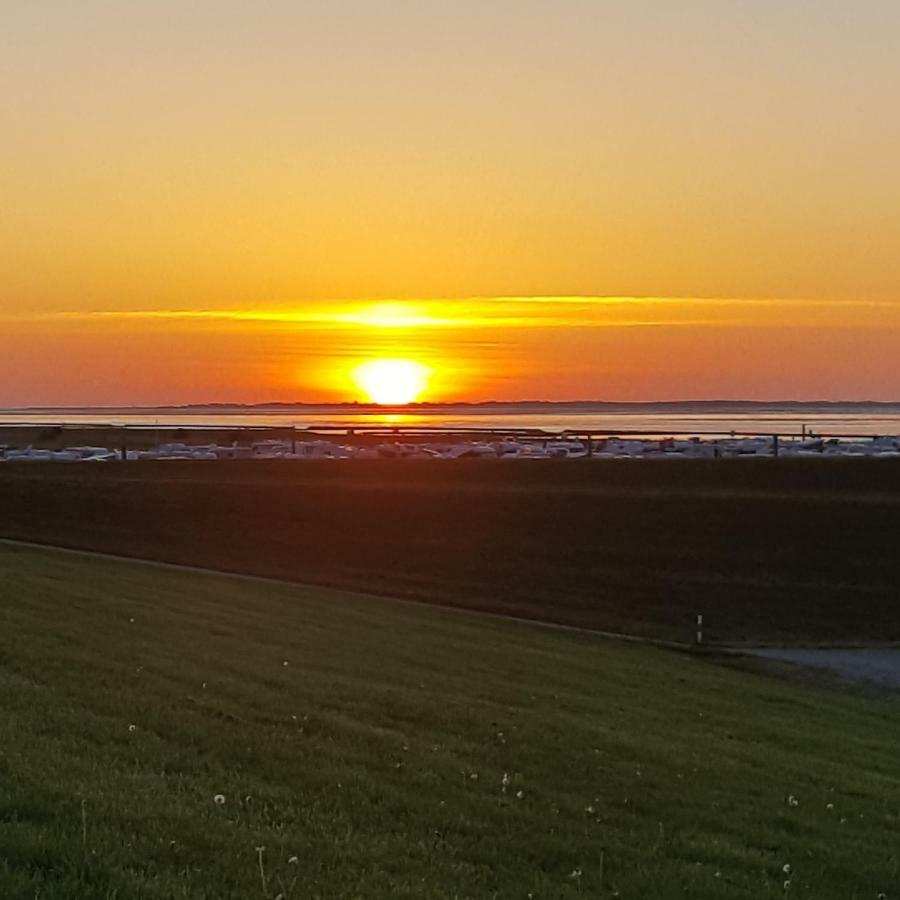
[[550, 348], [214, 201]]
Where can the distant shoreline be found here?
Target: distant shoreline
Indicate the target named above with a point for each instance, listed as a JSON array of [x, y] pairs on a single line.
[[495, 406]]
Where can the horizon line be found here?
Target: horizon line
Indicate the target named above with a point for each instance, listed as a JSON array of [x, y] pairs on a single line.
[[419, 405]]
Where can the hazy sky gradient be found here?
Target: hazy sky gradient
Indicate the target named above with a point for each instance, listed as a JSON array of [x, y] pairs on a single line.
[[215, 156]]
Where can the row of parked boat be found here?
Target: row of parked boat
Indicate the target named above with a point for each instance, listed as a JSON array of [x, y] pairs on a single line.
[[505, 448]]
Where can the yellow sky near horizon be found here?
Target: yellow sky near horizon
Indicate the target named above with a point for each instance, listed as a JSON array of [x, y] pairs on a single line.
[[212, 201]]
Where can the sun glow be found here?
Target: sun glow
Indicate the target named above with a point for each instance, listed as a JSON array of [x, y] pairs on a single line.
[[391, 382], [390, 315]]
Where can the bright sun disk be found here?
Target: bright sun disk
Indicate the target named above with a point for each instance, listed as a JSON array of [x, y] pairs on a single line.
[[391, 382]]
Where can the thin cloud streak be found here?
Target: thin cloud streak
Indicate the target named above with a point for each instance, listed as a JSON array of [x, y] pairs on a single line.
[[493, 312]]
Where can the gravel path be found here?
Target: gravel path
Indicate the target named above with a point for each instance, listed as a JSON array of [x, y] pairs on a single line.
[[880, 666]]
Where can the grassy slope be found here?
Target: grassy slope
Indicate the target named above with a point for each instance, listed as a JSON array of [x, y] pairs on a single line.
[[768, 550], [652, 774]]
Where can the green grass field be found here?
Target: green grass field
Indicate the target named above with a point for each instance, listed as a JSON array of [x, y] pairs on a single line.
[[364, 748], [789, 551]]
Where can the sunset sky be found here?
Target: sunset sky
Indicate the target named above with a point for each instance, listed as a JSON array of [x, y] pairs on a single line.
[[636, 200]]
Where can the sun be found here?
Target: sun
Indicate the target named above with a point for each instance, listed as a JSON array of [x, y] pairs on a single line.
[[392, 382]]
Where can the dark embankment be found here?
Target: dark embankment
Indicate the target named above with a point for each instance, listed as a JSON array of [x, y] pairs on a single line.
[[783, 550]]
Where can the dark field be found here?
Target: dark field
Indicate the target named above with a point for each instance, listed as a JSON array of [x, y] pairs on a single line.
[[368, 749], [768, 550]]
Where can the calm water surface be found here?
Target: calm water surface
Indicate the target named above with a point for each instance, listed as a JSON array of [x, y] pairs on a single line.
[[549, 419]]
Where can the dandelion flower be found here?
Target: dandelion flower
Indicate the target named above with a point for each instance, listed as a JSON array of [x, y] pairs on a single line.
[[132, 728], [292, 861], [520, 794], [792, 800], [219, 799], [786, 868]]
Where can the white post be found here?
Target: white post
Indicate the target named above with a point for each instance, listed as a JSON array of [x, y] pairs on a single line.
[[699, 628]]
